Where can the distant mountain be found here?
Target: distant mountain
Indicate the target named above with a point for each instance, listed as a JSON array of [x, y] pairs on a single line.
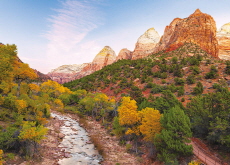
[[199, 28], [66, 73]]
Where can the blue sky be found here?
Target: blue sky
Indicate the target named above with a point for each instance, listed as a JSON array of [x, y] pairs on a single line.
[[50, 33]]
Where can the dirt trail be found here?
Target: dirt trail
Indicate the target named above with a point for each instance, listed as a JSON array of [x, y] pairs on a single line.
[[204, 154]]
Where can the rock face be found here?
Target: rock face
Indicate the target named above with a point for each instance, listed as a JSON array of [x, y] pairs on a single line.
[[199, 28], [146, 44], [223, 37], [66, 73], [124, 54], [105, 57]]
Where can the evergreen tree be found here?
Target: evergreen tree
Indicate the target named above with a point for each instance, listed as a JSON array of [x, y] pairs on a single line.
[[171, 143]]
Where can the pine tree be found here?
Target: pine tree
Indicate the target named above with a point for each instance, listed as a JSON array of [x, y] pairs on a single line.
[[171, 143]]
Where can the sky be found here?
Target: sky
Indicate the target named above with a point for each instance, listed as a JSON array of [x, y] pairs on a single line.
[[51, 33]]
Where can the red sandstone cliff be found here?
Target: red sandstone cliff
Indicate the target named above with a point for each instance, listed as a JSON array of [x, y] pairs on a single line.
[[199, 28]]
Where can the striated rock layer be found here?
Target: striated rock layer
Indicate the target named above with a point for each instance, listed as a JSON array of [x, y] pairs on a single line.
[[223, 37], [199, 28], [124, 54], [105, 57], [66, 73], [146, 44]]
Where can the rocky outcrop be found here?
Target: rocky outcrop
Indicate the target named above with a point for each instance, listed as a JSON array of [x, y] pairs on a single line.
[[124, 54], [146, 44], [66, 73], [199, 28], [105, 57], [223, 37]]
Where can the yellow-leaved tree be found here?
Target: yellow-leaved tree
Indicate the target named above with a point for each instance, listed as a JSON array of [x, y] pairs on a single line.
[[54, 89], [128, 116], [128, 112], [1, 155], [31, 135], [22, 72], [20, 105], [150, 123]]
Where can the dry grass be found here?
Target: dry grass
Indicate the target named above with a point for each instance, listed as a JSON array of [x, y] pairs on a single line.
[[97, 142]]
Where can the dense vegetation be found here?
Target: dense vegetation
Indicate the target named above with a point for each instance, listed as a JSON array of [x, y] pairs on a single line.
[[24, 105], [169, 78], [158, 121]]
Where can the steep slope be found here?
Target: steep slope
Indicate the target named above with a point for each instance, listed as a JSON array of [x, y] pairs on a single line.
[[105, 57], [223, 37], [199, 28], [145, 44], [132, 77], [66, 73]]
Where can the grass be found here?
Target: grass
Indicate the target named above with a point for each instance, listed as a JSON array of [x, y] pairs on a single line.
[[96, 141]]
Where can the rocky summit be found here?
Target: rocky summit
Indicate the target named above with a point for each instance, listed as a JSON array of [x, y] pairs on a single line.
[[199, 28], [105, 57], [145, 44], [124, 54], [223, 37]]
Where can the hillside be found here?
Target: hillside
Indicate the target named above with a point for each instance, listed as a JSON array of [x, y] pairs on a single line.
[[178, 71], [187, 78]]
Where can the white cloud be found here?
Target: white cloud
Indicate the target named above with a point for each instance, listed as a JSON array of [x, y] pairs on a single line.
[[69, 26]]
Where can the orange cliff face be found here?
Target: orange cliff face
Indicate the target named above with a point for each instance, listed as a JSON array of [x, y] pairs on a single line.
[[199, 28]]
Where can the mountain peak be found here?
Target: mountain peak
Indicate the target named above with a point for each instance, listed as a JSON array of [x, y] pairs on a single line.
[[146, 43], [197, 11]]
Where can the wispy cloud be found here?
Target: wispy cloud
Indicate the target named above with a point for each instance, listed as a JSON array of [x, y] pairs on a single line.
[[69, 26]]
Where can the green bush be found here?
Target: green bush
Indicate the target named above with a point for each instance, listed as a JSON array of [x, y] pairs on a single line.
[[198, 89], [179, 81], [191, 79]]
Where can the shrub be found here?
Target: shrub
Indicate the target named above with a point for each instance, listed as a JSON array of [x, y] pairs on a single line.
[[180, 91], [191, 79], [149, 85], [195, 70], [179, 81], [227, 69], [212, 74], [198, 89]]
